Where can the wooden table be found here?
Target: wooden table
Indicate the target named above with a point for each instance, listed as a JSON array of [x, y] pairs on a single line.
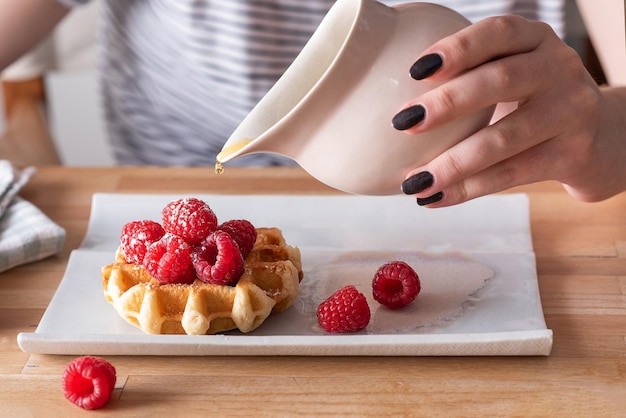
[[581, 263]]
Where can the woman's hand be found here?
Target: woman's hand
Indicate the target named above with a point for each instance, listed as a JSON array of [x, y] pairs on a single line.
[[564, 127]]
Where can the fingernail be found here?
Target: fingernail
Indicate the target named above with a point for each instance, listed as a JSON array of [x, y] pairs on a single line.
[[417, 183], [431, 199], [408, 117], [426, 66]]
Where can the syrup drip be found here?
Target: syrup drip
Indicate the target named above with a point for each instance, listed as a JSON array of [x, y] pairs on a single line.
[[219, 168]]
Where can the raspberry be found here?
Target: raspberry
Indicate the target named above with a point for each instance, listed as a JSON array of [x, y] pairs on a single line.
[[137, 236], [89, 382], [218, 260], [346, 310], [169, 260], [395, 284], [190, 218], [243, 232]]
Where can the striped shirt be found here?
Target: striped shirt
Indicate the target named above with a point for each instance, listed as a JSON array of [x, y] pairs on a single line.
[[178, 76]]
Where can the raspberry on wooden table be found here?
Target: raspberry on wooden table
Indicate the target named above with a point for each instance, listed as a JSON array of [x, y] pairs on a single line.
[[169, 260], [346, 310], [395, 284], [189, 218], [243, 232], [137, 236], [89, 382], [218, 260]]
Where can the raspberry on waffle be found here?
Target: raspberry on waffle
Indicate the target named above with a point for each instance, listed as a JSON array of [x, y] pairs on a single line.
[[269, 283]]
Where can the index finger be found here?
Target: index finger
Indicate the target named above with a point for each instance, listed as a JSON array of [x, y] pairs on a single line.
[[479, 43]]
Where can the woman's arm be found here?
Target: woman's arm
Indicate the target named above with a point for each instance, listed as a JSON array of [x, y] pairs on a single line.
[[564, 128], [23, 24]]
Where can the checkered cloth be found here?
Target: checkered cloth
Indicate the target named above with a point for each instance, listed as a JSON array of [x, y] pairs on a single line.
[[26, 234]]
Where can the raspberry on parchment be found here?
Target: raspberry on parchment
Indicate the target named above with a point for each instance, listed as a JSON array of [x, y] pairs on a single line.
[[395, 284], [346, 310]]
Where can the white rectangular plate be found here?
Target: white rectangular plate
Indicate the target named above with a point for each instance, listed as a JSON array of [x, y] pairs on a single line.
[[475, 261]]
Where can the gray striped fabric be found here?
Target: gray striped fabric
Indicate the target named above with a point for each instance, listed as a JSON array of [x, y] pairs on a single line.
[[26, 234], [178, 76], [11, 181]]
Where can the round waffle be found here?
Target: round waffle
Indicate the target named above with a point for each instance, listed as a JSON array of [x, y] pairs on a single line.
[[269, 283]]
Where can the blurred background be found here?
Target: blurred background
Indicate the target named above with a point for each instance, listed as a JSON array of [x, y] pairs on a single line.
[[50, 112]]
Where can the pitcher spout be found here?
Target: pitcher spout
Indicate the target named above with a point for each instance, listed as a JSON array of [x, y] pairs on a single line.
[[233, 150], [286, 118]]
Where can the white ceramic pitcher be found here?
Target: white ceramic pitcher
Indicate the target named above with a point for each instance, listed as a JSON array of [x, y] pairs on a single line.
[[331, 110]]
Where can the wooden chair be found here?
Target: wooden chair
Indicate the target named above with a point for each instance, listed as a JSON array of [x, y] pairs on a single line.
[[26, 139]]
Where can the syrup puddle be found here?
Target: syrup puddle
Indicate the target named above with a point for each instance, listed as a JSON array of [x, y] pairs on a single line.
[[449, 283]]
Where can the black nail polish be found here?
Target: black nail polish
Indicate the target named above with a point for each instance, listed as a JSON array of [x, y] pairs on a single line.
[[426, 66], [417, 183], [431, 199], [408, 117]]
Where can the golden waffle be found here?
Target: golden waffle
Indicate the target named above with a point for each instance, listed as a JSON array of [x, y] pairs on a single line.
[[270, 283]]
